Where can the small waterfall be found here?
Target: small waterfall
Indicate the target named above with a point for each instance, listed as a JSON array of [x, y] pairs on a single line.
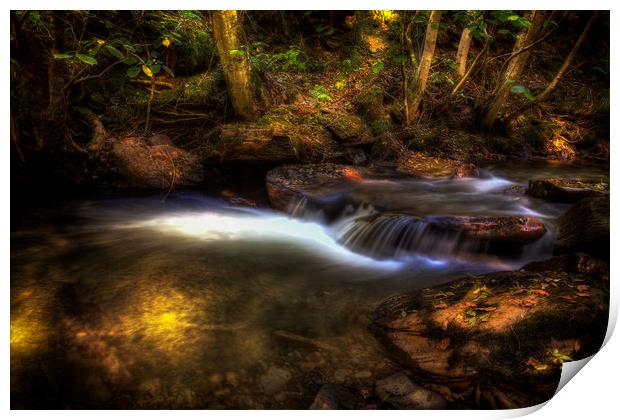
[[396, 236]]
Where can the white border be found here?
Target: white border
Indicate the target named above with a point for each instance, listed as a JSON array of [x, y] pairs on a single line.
[[592, 395]]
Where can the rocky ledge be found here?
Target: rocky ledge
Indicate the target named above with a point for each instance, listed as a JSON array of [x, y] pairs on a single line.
[[507, 333]]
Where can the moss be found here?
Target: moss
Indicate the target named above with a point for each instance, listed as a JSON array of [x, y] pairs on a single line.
[[309, 137]]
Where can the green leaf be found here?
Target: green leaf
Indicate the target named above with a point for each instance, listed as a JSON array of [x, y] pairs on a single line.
[[116, 53], [529, 95], [63, 56], [130, 61], [133, 71], [517, 89], [377, 67], [236, 52], [513, 17], [87, 59], [155, 68]]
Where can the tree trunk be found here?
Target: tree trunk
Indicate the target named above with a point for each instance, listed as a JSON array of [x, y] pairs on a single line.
[[569, 59], [462, 53], [237, 70], [419, 86], [514, 68]]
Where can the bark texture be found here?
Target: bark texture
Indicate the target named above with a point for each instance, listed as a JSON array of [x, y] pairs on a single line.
[[514, 68], [419, 86], [463, 52], [237, 70]]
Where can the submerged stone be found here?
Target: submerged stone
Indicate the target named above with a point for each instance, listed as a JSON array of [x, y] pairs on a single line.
[[337, 397], [400, 392]]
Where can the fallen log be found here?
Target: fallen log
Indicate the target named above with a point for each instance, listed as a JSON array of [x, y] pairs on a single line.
[[242, 143]]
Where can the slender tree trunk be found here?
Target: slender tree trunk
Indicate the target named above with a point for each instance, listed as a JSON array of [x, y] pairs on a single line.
[[463, 52], [237, 70], [461, 82], [569, 59], [419, 86], [514, 68], [565, 65]]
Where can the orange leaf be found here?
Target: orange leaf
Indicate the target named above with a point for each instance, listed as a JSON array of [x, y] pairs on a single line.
[[540, 292], [583, 294], [536, 364], [582, 287], [441, 305]]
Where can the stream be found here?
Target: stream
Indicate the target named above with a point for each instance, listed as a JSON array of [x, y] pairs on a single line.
[[191, 302]]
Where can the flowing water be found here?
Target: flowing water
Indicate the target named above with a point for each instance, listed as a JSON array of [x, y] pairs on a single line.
[[193, 303]]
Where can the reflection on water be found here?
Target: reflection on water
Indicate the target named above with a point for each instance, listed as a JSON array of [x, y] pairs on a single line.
[[135, 303]]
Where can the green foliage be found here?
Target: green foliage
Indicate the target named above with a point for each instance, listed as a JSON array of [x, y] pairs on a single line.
[[377, 66], [320, 93], [440, 77], [292, 59], [522, 90]]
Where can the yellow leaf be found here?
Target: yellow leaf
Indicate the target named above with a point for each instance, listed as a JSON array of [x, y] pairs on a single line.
[[166, 42], [100, 41], [147, 71]]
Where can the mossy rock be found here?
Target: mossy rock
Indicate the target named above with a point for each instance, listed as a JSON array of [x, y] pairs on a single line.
[[511, 330], [346, 128], [566, 190]]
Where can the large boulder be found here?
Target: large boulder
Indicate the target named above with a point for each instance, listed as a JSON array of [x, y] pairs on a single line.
[[421, 165], [317, 185], [507, 333], [585, 228], [155, 166], [566, 190]]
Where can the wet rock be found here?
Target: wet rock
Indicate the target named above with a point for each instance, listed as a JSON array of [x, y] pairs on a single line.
[[566, 190], [514, 229], [237, 200], [290, 186], [504, 328], [516, 190], [400, 392], [465, 170], [275, 380], [337, 397], [420, 165], [585, 228], [160, 166]]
